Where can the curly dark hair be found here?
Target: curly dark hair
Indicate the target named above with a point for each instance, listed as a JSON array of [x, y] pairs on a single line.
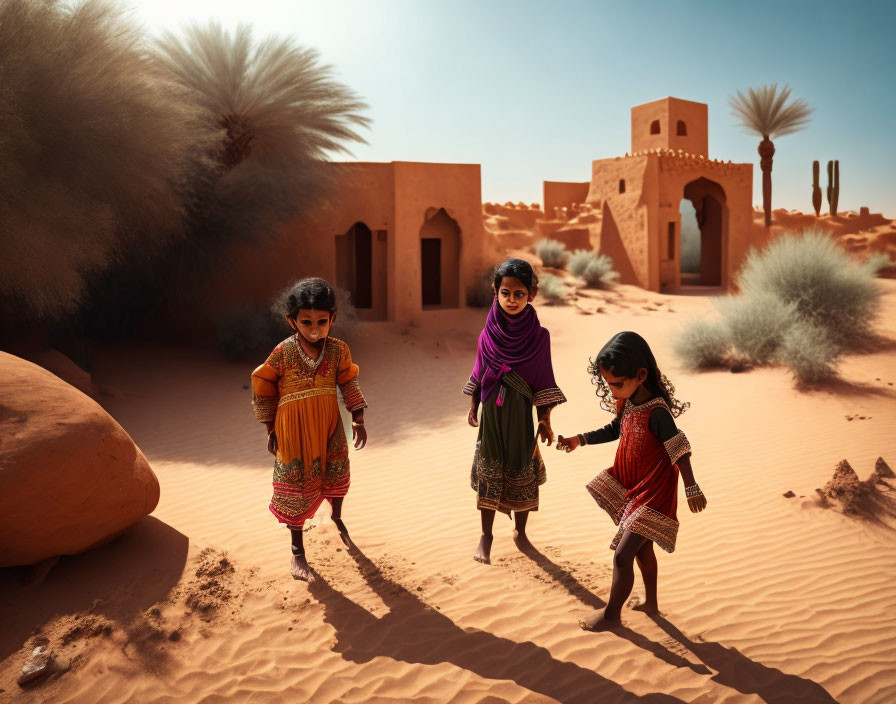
[[624, 355], [311, 293], [518, 269]]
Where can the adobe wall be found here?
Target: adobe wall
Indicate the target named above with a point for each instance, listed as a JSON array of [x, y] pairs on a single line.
[[625, 216], [562, 194], [668, 111], [420, 190]]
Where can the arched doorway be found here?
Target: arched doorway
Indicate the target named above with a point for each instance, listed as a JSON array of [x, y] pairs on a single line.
[[703, 263], [440, 260], [361, 269]]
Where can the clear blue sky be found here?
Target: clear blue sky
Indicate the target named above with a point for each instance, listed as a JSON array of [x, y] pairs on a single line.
[[535, 91]]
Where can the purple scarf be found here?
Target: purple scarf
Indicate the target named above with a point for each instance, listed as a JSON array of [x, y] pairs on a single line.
[[513, 343]]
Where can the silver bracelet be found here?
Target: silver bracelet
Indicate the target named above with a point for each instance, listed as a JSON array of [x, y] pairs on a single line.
[[693, 490]]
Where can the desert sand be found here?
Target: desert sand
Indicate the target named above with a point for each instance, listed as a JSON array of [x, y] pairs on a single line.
[[766, 599]]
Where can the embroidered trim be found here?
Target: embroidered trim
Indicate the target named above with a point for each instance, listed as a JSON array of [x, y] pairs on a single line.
[[651, 524], [265, 407], [313, 391], [552, 396], [470, 387], [629, 407], [352, 396], [677, 446], [609, 494]]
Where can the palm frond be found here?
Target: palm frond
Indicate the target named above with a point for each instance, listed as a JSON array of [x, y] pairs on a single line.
[[764, 111]]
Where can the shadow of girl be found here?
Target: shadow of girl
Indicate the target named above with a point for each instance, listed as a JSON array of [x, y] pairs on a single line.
[[413, 632], [737, 671], [575, 588]]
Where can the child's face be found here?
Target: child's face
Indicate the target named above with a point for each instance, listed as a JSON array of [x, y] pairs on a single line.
[[313, 325], [513, 295], [622, 387]]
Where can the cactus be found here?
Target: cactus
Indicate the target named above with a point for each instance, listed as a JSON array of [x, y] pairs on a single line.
[[829, 190], [833, 186], [816, 190], [836, 194]]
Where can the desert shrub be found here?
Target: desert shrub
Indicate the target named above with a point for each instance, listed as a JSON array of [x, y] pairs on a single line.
[[756, 325], [595, 269], [877, 262], [248, 332], [807, 349], [552, 253], [703, 344], [599, 271], [824, 284], [578, 260], [551, 287]]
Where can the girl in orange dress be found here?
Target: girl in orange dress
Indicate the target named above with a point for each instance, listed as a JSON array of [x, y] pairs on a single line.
[[640, 490], [294, 395]]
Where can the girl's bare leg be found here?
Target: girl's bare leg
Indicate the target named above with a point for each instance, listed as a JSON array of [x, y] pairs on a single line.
[[336, 515], [484, 551], [646, 559], [519, 534], [299, 567], [623, 581]]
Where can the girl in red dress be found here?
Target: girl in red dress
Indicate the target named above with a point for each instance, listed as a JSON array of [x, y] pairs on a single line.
[[640, 490]]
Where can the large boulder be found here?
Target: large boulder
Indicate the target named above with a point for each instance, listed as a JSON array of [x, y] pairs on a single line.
[[70, 477]]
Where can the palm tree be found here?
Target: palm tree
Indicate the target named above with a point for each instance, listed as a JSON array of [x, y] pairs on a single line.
[[278, 113], [763, 112]]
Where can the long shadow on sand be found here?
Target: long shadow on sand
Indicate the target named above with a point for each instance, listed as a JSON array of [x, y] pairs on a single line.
[[413, 632], [736, 671], [127, 575], [566, 579]]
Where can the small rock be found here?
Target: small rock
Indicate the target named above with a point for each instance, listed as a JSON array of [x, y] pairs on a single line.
[[419, 589], [738, 368], [38, 665], [789, 495], [245, 387]]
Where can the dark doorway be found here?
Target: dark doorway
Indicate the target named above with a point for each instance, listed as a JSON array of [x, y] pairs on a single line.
[[708, 251], [354, 264], [431, 268]]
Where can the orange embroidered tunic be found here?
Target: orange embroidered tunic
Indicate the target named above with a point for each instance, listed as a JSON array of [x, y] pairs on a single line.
[[299, 395]]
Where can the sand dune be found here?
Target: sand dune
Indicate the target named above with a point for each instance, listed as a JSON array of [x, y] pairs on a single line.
[[766, 599]]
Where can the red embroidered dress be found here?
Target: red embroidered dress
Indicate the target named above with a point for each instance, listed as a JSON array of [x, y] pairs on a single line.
[[640, 490]]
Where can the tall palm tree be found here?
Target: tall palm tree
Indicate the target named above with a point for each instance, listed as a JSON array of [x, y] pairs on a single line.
[[764, 112]]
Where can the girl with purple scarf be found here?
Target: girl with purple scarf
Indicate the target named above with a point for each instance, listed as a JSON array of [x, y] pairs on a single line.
[[512, 374]]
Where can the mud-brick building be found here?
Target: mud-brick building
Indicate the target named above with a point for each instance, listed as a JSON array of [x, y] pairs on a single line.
[[402, 237], [639, 197]]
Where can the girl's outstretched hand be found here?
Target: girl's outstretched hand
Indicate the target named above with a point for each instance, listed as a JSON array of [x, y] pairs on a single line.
[[272, 443], [545, 432], [567, 444], [359, 435], [472, 415]]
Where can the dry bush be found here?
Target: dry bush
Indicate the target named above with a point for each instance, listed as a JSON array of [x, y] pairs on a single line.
[[755, 325], [824, 284], [807, 349], [551, 287], [552, 253], [96, 151], [703, 344]]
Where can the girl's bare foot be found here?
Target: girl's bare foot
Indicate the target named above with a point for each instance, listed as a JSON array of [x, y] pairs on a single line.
[[598, 621], [647, 608], [484, 552], [343, 532], [521, 540], [299, 569]]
